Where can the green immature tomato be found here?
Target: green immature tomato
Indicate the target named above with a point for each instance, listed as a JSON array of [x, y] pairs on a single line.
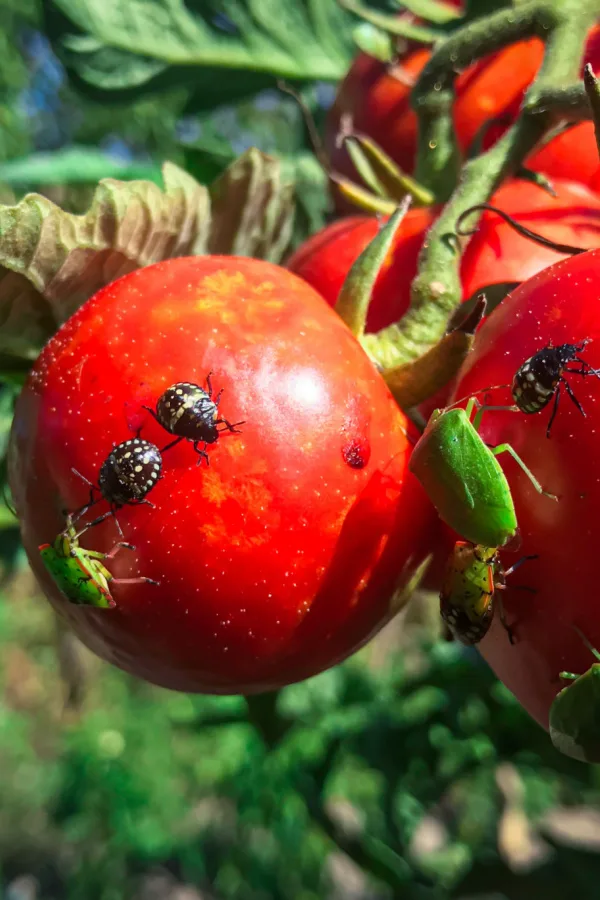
[[79, 573], [575, 714], [468, 597], [463, 478]]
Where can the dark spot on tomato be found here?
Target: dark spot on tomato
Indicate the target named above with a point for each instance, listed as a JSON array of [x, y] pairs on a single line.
[[357, 453]]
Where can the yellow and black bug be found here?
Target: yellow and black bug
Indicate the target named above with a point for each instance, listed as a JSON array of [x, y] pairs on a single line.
[[542, 376], [191, 413], [126, 476], [467, 600]]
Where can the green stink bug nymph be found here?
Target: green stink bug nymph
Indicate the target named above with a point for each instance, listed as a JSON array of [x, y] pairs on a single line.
[[575, 713], [468, 595], [80, 573], [463, 478]]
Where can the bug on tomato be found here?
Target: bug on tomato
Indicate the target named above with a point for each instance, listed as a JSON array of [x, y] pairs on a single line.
[[542, 377], [126, 476], [575, 712], [463, 478], [468, 597], [192, 414], [81, 574]]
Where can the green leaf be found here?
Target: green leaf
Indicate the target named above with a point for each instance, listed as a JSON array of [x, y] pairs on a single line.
[[51, 261], [73, 165], [238, 46], [251, 208]]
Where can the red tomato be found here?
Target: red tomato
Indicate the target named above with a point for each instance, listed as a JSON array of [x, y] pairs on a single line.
[[488, 95], [497, 253], [559, 305], [287, 552]]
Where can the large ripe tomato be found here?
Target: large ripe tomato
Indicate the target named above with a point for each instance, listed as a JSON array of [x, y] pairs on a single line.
[[376, 98], [289, 550], [497, 254], [559, 305]]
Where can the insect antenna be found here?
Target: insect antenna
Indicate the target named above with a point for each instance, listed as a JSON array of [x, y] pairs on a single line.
[[590, 647]]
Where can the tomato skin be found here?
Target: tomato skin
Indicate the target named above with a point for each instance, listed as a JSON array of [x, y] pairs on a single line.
[[488, 96], [284, 555], [496, 254], [560, 305], [499, 254]]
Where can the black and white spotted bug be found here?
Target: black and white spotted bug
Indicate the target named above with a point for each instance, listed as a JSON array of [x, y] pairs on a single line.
[[542, 376], [127, 475], [192, 414]]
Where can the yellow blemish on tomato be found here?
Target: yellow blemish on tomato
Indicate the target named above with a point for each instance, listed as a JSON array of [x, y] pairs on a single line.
[[164, 314], [264, 287], [222, 282], [217, 307], [254, 496], [234, 449], [214, 489], [555, 314], [272, 305], [215, 532]]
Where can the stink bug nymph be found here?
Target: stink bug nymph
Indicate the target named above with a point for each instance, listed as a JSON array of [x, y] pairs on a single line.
[[127, 475], [468, 596], [192, 414], [575, 713], [542, 377], [81, 574]]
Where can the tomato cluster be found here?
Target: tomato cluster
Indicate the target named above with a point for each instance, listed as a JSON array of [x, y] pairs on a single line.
[[214, 417], [375, 97]]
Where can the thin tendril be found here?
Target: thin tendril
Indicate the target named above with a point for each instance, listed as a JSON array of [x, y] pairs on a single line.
[[520, 229]]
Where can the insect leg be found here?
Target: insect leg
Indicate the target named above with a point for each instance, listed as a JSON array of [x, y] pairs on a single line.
[[516, 565], [172, 444], [590, 647], [201, 451], [506, 448], [139, 580], [554, 407], [481, 408], [569, 391], [112, 552], [209, 385], [91, 502], [568, 676], [502, 617], [586, 369], [152, 413], [229, 426]]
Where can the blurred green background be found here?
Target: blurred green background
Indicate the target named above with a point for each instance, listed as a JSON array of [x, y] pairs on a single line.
[[407, 772]]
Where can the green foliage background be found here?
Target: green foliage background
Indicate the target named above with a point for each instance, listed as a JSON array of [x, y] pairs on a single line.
[[407, 772]]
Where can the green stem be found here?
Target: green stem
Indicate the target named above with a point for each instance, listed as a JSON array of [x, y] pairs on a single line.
[[264, 715], [436, 291], [592, 89], [438, 157]]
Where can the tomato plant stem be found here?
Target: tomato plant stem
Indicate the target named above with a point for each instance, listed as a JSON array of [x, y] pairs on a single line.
[[436, 290], [265, 717], [592, 89]]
